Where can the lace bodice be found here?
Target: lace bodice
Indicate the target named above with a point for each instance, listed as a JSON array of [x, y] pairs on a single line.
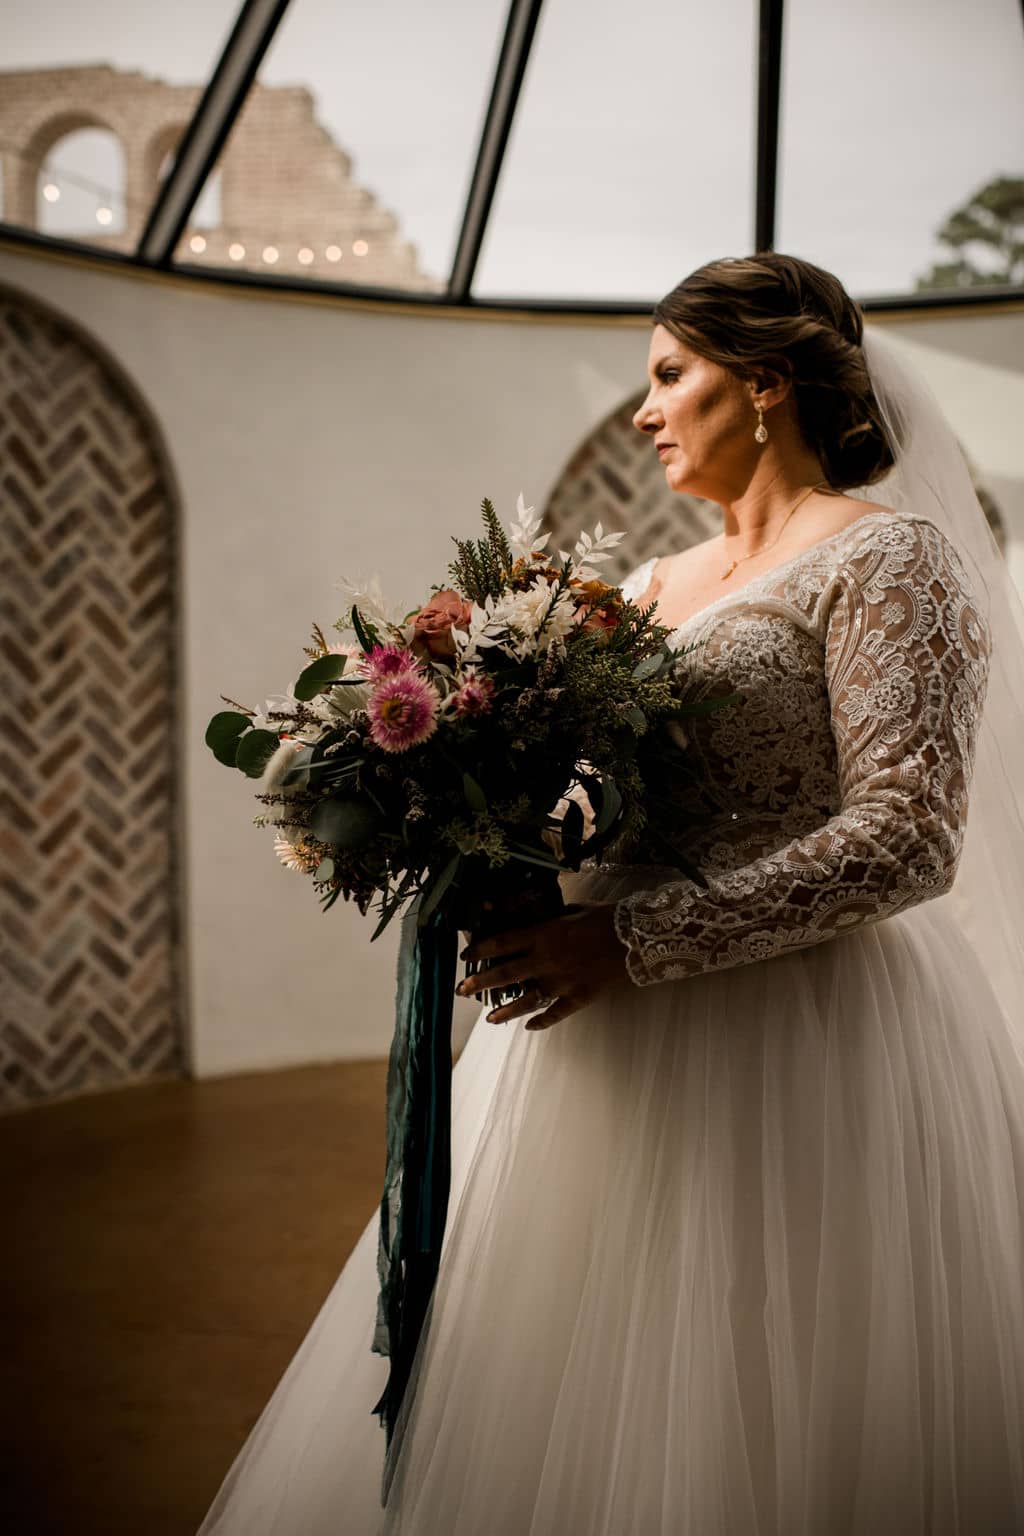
[[834, 793]]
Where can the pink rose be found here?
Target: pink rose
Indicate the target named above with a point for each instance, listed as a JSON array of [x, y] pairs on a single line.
[[434, 624]]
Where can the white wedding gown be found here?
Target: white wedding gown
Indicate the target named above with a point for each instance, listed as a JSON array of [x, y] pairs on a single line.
[[737, 1249]]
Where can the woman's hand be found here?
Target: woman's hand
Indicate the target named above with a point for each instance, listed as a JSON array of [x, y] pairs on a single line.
[[568, 960]]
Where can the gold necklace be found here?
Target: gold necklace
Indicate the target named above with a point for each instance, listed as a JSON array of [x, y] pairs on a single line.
[[739, 561]]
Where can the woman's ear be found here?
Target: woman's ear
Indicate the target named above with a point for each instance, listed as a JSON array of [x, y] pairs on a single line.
[[769, 386]]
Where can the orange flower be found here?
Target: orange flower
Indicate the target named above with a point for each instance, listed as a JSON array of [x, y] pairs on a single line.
[[599, 606]]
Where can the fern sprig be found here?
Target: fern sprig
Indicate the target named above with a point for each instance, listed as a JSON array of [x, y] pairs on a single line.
[[483, 565]]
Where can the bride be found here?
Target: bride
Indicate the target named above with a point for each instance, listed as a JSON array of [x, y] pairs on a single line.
[[736, 1223]]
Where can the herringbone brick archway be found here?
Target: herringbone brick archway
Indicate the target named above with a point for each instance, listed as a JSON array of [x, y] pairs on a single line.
[[615, 478], [89, 923]]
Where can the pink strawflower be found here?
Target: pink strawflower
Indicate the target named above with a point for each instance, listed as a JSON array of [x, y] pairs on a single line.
[[475, 695], [385, 661], [403, 711]]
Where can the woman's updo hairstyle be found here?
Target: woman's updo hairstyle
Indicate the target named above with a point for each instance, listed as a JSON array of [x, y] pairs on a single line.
[[749, 313]]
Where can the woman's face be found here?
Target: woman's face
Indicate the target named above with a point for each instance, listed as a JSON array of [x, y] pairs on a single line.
[[701, 418]]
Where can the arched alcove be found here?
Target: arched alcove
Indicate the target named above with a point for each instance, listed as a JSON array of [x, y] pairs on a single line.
[[89, 901]]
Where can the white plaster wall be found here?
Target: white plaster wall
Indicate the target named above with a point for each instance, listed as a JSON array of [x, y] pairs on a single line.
[[311, 440]]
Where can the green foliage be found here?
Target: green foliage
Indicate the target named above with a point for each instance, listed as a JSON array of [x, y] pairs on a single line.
[[255, 749], [319, 675], [483, 565], [467, 813], [990, 221], [222, 735], [345, 823]]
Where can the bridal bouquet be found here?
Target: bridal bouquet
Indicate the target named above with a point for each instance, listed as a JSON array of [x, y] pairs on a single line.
[[430, 759], [437, 761]]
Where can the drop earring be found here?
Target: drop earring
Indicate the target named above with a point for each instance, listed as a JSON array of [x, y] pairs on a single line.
[[761, 431]]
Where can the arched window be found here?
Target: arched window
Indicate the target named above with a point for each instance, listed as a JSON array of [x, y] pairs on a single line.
[[80, 186]]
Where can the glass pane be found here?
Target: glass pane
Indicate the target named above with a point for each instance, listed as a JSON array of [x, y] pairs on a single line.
[[360, 173], [894, 119], [92, 99], [631, 158]]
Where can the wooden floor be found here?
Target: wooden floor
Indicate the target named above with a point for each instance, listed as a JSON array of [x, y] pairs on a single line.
[[169, 1245]]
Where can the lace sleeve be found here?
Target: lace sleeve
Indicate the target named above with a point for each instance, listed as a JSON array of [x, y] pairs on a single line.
[[906, 659]]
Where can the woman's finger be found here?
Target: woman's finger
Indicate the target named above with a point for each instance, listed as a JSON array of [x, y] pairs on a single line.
[[512, 973], [508, 942], [518, 1009], [561, 1008]]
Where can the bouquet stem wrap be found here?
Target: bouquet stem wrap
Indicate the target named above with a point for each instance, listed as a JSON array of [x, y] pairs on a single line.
[[414, 1207]]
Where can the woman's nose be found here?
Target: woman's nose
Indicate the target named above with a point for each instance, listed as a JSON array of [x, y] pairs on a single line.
[[642, 419]]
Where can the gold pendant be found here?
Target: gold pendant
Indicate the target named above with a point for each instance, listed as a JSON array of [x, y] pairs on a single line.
[[728, 573]]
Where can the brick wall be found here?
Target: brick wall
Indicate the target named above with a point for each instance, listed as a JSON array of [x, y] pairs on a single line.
[[285, 183], [88, 883]]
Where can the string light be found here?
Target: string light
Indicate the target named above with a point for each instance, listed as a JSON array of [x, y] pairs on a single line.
[[197, 243]]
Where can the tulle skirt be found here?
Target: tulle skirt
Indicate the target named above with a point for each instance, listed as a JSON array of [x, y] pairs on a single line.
[[739, 1255]]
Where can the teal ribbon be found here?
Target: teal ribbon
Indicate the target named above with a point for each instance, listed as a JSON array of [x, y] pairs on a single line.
[[414, 1206]]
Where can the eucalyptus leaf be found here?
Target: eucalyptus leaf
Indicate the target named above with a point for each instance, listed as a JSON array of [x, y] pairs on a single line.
[[324, 871], [255, 749], [475, 797], [319, 675], [636, 718], [344, 823], [611, 804], [649, 666], [298, 773], [223, 732]]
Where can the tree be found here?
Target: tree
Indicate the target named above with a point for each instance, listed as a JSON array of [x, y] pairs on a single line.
[[991, 221]]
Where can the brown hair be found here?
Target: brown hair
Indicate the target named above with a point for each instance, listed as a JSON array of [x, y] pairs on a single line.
[[749, 313]]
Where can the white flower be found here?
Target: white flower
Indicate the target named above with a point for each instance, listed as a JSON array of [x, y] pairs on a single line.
[[526, 612], [285, 704], [338, 703], [522, 612], [294, 852]]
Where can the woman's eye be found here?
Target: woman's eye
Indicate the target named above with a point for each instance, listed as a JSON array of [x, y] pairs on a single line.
[[668, 374]]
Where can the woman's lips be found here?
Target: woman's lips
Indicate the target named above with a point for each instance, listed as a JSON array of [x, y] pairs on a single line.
[[663, 448]]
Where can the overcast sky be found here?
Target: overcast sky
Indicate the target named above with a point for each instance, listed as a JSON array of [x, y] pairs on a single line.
[[632, 157]]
